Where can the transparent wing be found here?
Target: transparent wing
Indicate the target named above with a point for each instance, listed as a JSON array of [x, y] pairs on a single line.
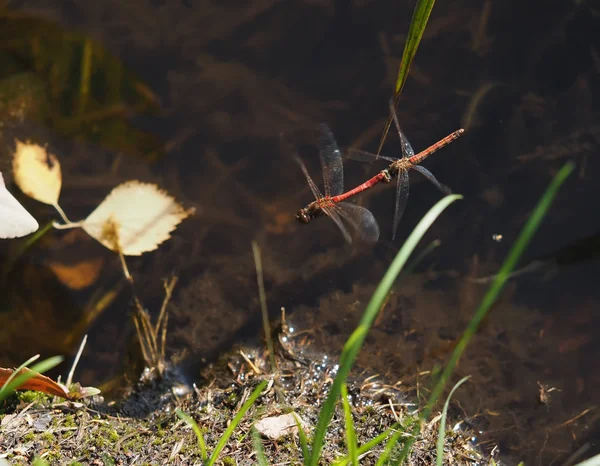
[[288, 149], [364, 156], [401, 199], [331, 161], [332, 212], [427, 174], [363, 225], [407, 150]]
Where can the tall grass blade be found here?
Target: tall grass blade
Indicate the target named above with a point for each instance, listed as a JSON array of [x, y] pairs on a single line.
[[261, 458], [369, 445], [189, 420], [532, 225], [439, 460], [303, 440], [263, 304], [389, 447], [354, 343], [351, 443], [415, 33], [234, 423]]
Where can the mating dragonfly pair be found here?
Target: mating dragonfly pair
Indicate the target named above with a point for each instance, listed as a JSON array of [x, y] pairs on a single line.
[[354, 221]]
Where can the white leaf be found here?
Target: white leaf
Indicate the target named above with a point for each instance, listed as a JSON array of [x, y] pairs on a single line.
[[276, 427], [37, 172], [15, 221], [135, 217]]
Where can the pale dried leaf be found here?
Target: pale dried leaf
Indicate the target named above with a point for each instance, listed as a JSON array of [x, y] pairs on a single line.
[[135, 217], [37, 172], [276, 427], [15, 221]]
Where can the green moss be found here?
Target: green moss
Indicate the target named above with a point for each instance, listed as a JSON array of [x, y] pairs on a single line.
[[229, 461], [29, 396], [48, 437], [28, 437], [75, 463], [69, 421]]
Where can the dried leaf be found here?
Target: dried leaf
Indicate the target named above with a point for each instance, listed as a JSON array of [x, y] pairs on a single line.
[[135, 218], [79, 275], [15, 221], [276, 427], [37, 382], [37, 172]]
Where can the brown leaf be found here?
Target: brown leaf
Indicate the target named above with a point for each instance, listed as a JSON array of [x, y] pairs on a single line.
[[79, 275], [38, 382]]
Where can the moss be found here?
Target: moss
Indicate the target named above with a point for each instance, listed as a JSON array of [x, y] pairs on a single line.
[[75, 463], [48, 437], [69, 421], [28, 437], [29, 396], [229, 461]]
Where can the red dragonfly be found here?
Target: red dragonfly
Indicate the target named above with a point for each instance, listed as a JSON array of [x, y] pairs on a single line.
[[399, 168], [355, 222]]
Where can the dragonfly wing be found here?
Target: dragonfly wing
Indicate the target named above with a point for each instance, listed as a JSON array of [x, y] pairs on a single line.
[[407, 150], [331, 161], [364, 156], [333, 214], [427, 174], [401, 198], [363, 225], [290, 150]]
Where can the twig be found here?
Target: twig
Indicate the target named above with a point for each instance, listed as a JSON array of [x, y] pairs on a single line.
[[76, 361]]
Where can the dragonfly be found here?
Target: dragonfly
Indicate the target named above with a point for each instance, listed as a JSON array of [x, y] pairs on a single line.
[[399, 168], [355, 222]]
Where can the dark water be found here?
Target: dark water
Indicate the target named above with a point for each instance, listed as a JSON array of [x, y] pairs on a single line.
[[230, 77]]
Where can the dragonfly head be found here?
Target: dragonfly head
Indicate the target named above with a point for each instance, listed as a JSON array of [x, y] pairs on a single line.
[[303, 216]]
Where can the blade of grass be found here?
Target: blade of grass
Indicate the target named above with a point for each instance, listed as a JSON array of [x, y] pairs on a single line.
[[263, 304], [20, 379], [532, 225], [261, 458], [234, 423], [493, 292], [439, 460], [354, 343], [415, 33], [389, 447], [189, 420], [369, 445], [349, 427], [303, 440], [18, 369]]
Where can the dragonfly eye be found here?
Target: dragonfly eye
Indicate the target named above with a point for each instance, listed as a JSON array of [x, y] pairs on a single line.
[[302, 216]]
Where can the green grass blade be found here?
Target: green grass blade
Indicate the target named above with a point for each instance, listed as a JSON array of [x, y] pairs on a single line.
[[415, 33], [349, 427], [389, 447], [533, 223], [263, 304], [189, 420], [261, 458], [303, 440], [593, 461], [354, 343], [18, 369], [369, 445], [439, 460], [234, 423], [20, 379]]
